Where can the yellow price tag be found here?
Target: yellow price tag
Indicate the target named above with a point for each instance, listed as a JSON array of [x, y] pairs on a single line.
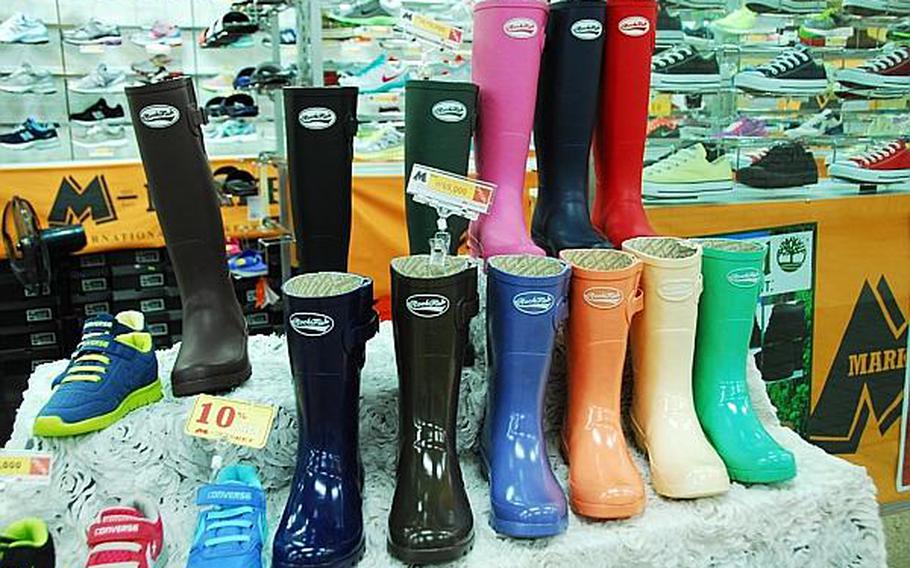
[[887, 104], [235, 421], [661, 105], [450, 186], [24, 465], [788, 104], [431, 30]]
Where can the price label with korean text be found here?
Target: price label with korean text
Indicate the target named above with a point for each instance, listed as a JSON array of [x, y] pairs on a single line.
[[428, 29], [235, 421], [25, 466], [461, 195]]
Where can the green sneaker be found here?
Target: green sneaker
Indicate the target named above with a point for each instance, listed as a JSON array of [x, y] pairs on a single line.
[[732, 279], [366, 13], [26, 544]]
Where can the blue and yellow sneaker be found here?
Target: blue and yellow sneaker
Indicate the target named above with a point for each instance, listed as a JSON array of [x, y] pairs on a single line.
[[112, 372], [232, 525]]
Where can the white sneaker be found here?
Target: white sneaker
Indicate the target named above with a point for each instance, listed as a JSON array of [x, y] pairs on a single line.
[[102, 136], [27, 79], [820, 124], [101, 80], [93, 32], [387, 145], [20, 28], [687, 173]]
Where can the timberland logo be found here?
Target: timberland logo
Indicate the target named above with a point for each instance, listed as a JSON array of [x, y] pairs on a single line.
[[791, 254], [317, 118], [159, 116], [520, 28], [744, 277], [117, 529], [587, 29], [311, 324], [427, 305], [533, 303], [230, 495], [676, 290], [449, 111], [634, 26], [603, 297]]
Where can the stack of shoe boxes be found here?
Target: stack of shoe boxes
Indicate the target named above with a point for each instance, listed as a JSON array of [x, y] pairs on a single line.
[[34, 329], [267, 319]]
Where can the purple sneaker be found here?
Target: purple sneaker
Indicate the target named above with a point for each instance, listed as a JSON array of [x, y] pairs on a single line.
[[744, 127]]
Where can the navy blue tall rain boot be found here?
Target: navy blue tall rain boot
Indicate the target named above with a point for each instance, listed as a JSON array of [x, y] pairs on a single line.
[[567, 102], [526, 302], [329, 317]]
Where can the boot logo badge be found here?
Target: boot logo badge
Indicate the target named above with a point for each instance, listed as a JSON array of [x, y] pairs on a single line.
[[449, 111], [744, 277], [533, 303], [587, 29], [316, 118], [159, 116], [520, 28], [311, 324], [676, 290], [427, 305], [634, 26], [603, 297]]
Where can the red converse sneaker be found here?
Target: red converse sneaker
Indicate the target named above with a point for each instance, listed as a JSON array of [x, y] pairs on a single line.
[[890, 70], [131, 535], [889, 163]]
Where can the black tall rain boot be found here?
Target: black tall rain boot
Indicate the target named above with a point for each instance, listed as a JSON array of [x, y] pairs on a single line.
[[439, 121], [431, 519], [167, 121], [567, 102], [321, 123], [329, 317]]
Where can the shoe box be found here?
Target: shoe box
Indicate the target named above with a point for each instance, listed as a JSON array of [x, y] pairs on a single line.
[[165, 327], [154, 256], [263, 322], [142, 276], [16, 366]]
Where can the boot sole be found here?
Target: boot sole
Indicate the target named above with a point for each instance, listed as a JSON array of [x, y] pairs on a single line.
[[348, 561], [430, 555], [521, 530], [212, 384], [54, 426], [762, 475], [600, 511], [666, 489]]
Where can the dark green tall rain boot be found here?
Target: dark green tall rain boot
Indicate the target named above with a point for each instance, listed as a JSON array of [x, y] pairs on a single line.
[[439, 123], [732, 272]]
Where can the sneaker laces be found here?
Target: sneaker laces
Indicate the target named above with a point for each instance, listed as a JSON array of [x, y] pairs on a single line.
[[786, 61], [672, 56], [230, 525], [879, 153], [886, 60], [672, 161]]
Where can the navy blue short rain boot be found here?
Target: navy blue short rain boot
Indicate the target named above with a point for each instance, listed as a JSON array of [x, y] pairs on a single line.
[[526, 302], [329, 317]]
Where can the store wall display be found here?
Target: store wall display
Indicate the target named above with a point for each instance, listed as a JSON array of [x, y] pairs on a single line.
[[439, 124], [430, 519], [320, 125], [508, 41], [167, 122], [663, 417], [526, 305], [605, 295], [567, 104], [329, 318], [619, 137]]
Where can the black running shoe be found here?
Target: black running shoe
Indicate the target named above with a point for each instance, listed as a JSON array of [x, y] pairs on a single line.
[[792, 72], [684, 69], [26, 544], [31, 135], [784, 165], [98, 113]]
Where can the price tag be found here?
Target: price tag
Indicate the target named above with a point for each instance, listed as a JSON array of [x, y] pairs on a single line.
[[428, 29], [661, 105], [25, 466], [463, 196], [235, 421], [789, 104], [392, 99]]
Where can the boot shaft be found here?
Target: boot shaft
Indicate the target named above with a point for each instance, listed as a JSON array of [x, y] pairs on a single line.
[[431, 309], [329, 317], [568, 97], [604, 297], [320, 123], [439, 122]]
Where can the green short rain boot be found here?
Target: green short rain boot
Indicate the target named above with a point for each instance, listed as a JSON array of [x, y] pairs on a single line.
[[439, 123], [732, 272]]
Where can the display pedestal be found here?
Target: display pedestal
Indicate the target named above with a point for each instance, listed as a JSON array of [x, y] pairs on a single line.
[[827, 516]]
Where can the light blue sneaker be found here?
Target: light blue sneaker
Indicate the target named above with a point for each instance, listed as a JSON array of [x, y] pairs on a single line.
[[232, 525]]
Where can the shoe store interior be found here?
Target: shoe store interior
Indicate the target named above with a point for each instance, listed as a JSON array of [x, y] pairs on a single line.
[[655, 253]]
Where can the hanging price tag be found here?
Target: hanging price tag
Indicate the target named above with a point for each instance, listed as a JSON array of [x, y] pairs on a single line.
[[428, 29], [463, 196], [235, 421], [25, 466]]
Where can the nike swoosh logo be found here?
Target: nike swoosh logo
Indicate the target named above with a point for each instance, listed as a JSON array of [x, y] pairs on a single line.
[[387, 78]]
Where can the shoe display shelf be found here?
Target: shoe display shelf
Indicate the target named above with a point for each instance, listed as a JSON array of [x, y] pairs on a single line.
[[827, 515], [68, 64]]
